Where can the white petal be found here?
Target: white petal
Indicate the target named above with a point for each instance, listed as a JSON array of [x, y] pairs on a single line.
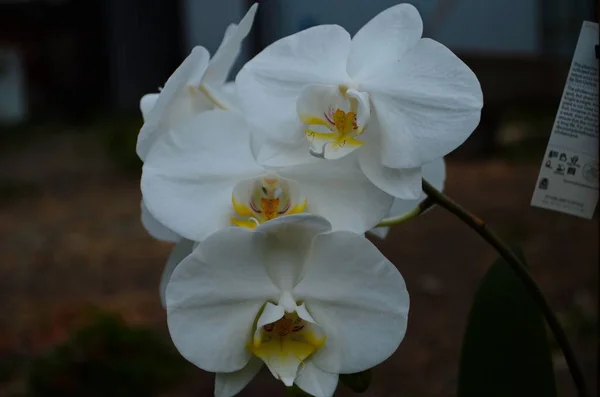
[[384, 40], [339, 191], [270, 83], [400, 183], [434, 173], [229, 94], [189, 176], [230, 384], [179, 252], [381, 232], [213, 299], [288, 240], [221, 63], [229, 31], [155, 228], [147, 104], [213, 96], [174, 103], [315, 381], [363, 312], [274, 154], [428, 103], [229, 89]]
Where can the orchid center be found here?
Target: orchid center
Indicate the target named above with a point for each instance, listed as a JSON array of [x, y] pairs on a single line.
[[285, 344], [334, 119], [259, 200]]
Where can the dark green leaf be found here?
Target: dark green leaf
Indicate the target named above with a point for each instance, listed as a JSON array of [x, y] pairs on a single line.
[[505, 350], [358, 382]]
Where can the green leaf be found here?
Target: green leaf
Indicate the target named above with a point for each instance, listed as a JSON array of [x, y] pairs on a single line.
[[505, 350], [358, 382]]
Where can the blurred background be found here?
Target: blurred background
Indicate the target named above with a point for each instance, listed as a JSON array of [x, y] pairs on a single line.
[[79, 306]]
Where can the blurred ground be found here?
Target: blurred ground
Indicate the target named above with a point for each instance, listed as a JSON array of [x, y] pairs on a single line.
[[70, 236]]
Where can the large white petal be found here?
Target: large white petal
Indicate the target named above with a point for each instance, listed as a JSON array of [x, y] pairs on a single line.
[[174, 103], [384, 40], [434, 173], [155, 228], [400, 183], [428, 103], [363, 311], [339, 191], [315, 381], [178, 253], [271, 153], [189, 176], [270, 83], [213, 299], [147, 104], [230, 384], [221, 63], [286, 244]]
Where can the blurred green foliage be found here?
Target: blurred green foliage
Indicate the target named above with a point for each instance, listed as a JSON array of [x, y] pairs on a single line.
[[119, 133], [107, 357]]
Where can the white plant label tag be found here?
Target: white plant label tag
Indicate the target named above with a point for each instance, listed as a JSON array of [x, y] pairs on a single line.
[[568, 178]]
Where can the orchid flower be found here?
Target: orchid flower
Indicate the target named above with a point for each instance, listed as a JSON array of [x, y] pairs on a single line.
[[201, 177], [307, 302], [398, 100], [435, 174], [197, 85]]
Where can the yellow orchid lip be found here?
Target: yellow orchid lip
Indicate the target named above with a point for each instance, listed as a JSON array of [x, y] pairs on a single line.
[[285, 344], [262, 199]]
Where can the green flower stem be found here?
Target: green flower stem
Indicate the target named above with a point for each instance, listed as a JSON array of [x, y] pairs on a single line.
[[422, 207], [521, 271]]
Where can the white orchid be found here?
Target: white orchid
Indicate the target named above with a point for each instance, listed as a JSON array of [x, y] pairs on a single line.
[[198, 84], [435, 174], [201, 177], [307, 302], [395, 99]]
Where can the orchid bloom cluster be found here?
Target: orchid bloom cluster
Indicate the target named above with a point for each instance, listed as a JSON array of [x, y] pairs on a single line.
[[268, 184]]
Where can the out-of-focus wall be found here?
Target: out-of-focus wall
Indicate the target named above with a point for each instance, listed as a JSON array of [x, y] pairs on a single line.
[[144, 44], [464, 25], [205, 21]]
